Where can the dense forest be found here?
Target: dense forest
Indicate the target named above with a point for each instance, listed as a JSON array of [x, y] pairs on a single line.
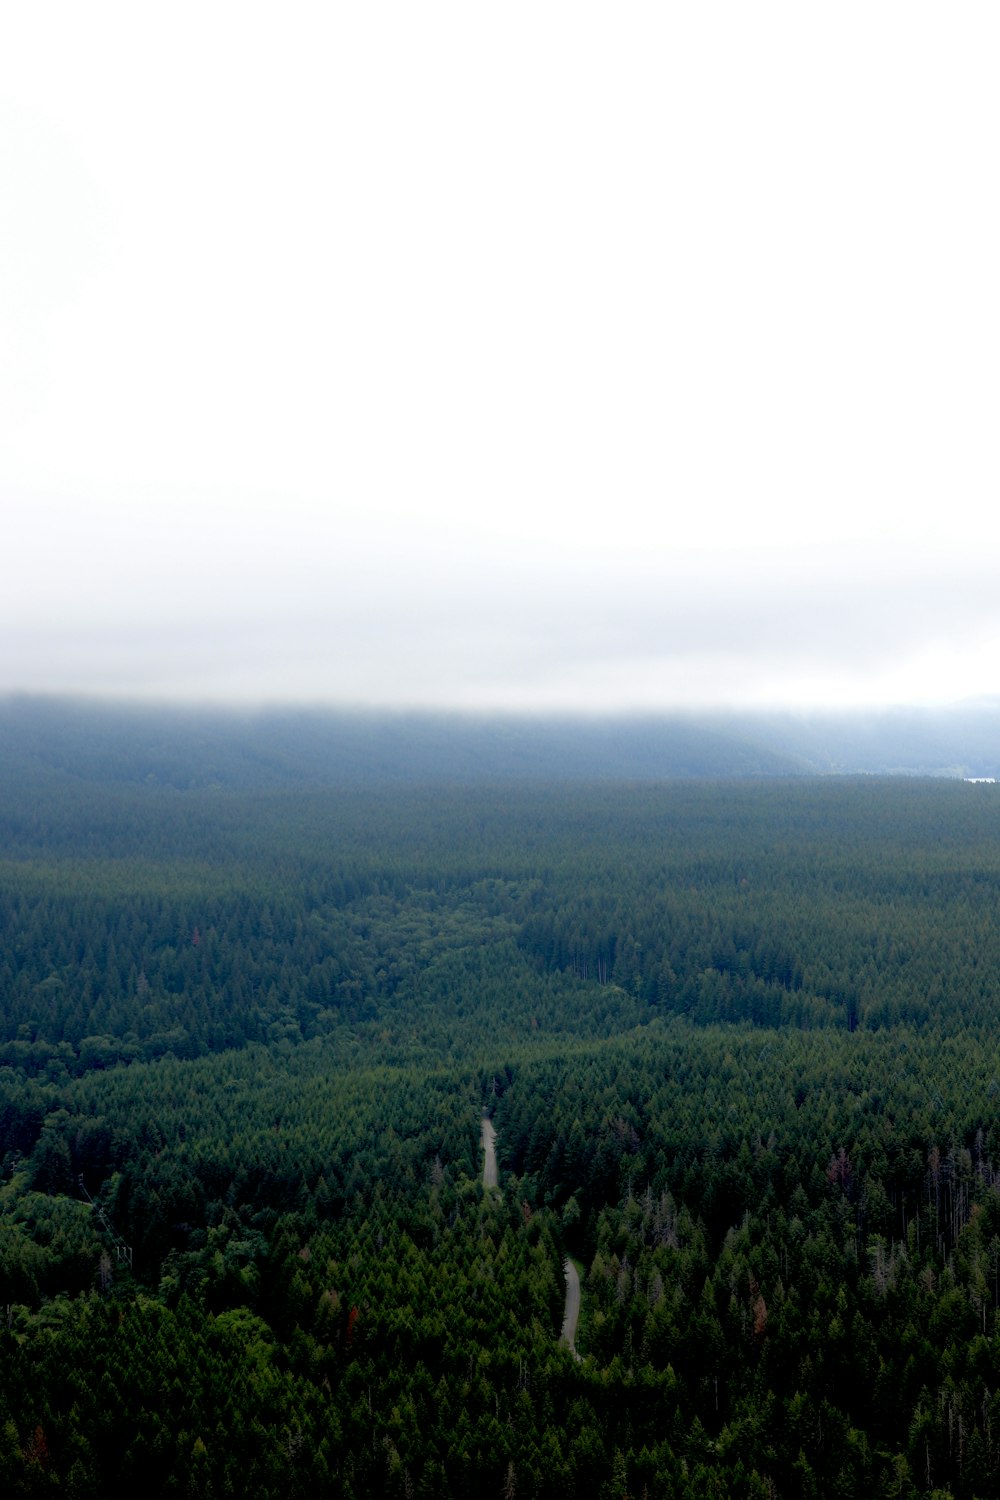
[[738, 1042]]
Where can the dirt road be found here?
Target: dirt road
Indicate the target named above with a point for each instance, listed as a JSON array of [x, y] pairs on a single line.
[[568, 1334], [572, 1312], [490, 1148]]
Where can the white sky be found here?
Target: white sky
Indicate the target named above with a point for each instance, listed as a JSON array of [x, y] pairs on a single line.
[[525, 356]]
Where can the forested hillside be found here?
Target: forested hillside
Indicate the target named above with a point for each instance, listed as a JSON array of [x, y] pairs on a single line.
[[124, 744], [737, 1039]]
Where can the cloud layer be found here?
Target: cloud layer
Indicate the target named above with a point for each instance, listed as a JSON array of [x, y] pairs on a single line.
[[547, 357]]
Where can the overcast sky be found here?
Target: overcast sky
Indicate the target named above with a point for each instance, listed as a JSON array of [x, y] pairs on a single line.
[[508, 356]]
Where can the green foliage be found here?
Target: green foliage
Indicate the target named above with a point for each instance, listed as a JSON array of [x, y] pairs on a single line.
[[738, 1045]]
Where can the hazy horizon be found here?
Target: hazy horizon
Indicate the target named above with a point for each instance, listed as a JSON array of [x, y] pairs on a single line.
[[538, 361], [248, 710]]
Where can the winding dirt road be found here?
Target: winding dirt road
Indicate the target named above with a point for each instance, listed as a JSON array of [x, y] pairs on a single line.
[[572, 1313], [490, 1148], [568, 1334]]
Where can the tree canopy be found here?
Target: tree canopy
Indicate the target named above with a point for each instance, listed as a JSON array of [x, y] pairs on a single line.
[[737, 1040]]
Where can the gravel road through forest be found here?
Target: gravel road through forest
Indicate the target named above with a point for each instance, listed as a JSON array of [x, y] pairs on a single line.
[[490, 1149], [572, 1312], [568, 1334]]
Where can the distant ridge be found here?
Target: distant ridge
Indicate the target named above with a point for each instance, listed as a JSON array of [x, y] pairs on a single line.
[[188, 748]]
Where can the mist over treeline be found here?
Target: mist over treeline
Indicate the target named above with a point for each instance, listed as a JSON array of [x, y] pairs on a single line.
[[189, 747]]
